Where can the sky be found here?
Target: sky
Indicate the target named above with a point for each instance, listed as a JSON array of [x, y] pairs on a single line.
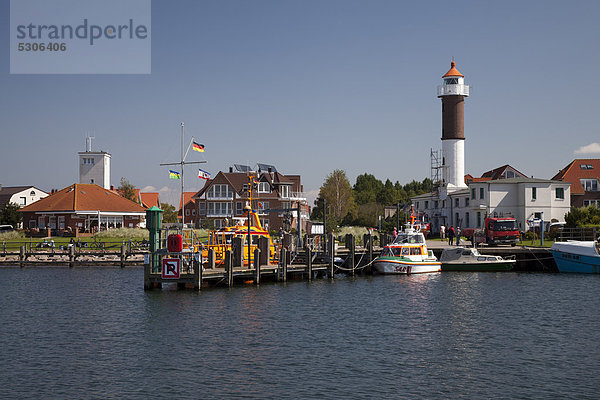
[[311, 86]]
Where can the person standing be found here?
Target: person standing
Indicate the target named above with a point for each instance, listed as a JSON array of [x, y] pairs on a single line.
[[450, 235], [395, 232], [442, 232], [458, 235]]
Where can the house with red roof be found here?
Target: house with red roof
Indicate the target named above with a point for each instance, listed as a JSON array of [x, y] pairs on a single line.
[[584, 177], [150, 199], [82, 208], [189, 209]]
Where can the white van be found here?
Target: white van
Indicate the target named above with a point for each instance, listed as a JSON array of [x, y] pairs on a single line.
[[6, 228]]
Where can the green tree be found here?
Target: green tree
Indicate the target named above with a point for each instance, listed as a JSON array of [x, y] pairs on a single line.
[[583, 216], [10, 215], [127, 190], [169, 212], [366, 189], [337, 192]]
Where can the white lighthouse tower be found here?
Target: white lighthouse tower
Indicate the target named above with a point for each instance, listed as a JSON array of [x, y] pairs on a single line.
[[453, 92]]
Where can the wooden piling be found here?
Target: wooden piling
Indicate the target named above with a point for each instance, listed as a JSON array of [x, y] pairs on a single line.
[[72, 257], [331, 250], [257, 262], [211, 259], [22, 256], [123, 255], [229, 267], [283, 264], [352, 249], [308, 253], [198, 272]]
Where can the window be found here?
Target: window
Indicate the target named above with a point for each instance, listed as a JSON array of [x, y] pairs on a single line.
[[52, 222], [467, 222], [32, 224], [587, 166], [262, 205], [593, 203], [193, 212], [61, 222], [239, 208], [451, 81], [473, 194], [456, 202], [220, 192], [417, 205], [560, 193], [481, 193], [509, 174], [264, 187], [32, 193], [187, 212], [23, 201], [456, 219], [42, 222], [533, 193], [589, 185], [426, 204], [436, 204], [284, 191], [466, 202], [202, 208], [478, 219], [215, 208]]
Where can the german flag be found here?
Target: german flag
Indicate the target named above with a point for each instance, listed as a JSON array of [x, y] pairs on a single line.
[[198, 147]]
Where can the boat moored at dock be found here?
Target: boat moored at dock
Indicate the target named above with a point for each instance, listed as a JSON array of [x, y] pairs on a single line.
[[407, 254], [469, 259], [577, 256]]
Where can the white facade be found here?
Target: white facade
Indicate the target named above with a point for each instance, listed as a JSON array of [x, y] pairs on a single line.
[[453, 153], [94, 167], [522, 198], [25, 196]]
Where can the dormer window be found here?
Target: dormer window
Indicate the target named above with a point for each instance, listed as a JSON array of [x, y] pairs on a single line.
[[264, 187], [451, 81], [586, 166]]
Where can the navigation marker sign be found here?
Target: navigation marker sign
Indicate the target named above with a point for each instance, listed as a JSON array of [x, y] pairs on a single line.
[[171, 268]]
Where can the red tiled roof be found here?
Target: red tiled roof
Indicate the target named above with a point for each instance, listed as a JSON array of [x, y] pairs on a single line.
[[150, 199], [573, 172], [187, 197], [84, 197]]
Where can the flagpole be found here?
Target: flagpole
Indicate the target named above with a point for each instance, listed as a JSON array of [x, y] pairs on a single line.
[[182, 205]]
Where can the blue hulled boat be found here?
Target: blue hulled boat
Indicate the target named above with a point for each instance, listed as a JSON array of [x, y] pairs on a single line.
[[576, 256]]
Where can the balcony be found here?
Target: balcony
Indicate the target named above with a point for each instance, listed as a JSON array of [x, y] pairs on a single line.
[[456, 90]]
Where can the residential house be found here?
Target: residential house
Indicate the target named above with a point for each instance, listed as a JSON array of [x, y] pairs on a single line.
[[83, 208], [224, 198], [150, 199], [21, 195], [189, 209], [584, 177]]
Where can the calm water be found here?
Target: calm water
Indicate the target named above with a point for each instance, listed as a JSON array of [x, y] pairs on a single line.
[[95, 333]]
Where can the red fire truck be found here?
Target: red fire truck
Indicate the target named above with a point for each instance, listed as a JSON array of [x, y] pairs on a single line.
[[496, 231]]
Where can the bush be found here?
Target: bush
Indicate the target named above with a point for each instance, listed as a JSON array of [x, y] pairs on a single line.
[[12, 235], [123, 233]]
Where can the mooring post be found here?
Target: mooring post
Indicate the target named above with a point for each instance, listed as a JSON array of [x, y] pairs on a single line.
[[308, 262], [211, 259], [370, 250], [257, 266], [198, 272], [123, 255], [351, 255], [331, 250], [22, 256], [283, 264], [229, 267], [71, 256]]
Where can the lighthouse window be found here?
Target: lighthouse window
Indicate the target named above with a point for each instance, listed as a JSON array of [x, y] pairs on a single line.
[[451, 81]]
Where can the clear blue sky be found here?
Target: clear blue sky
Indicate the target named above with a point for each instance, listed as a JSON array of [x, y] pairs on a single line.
[[311, 86]]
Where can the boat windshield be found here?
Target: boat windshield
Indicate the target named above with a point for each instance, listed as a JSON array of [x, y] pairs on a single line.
[[409, 238]]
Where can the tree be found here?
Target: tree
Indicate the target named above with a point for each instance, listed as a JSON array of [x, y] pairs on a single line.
[[366, 189], [127, 190], [337, 192], [583, 216], [169, 212], [10, 215]]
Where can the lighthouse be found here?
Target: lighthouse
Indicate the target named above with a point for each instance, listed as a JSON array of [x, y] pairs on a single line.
[[453, 92]]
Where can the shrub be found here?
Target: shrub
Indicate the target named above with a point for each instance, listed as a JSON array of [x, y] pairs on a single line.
[[123, 233]]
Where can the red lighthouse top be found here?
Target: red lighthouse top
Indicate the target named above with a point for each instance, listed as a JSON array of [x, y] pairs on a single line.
[[453, 71]]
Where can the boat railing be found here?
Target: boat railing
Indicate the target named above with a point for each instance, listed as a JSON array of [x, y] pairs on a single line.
[[580, 233]]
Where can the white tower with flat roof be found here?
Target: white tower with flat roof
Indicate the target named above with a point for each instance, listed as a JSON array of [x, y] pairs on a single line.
[[94, 166]]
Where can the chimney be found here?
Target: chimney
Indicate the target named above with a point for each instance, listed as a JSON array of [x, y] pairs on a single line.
[[112, 187], [270, 170], [230, 169]]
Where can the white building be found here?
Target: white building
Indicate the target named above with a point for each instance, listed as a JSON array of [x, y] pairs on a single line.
[[94, 166], [521, 198], [21, 195]]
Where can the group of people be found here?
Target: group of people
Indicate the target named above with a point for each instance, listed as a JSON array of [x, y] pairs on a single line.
[[453, 234]]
